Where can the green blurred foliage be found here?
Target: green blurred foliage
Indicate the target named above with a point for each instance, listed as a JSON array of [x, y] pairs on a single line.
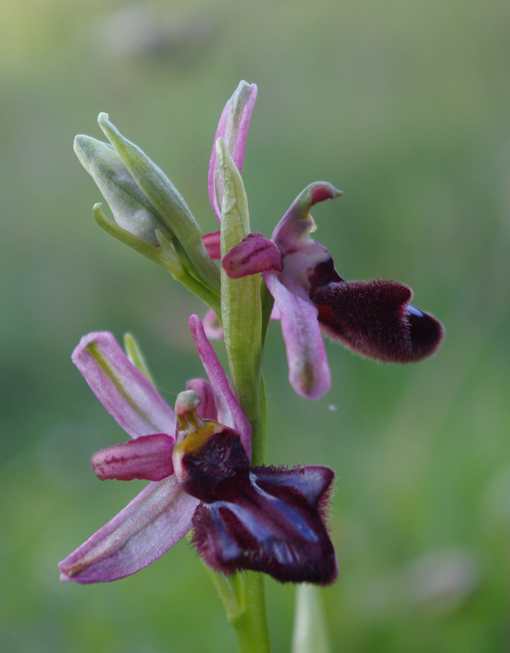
[[402, 104]]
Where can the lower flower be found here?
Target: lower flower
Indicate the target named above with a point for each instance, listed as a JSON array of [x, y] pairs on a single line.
[[260, 518]]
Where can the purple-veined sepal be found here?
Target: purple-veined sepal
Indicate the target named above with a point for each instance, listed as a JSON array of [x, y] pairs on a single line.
[[122, 389], [151, 524], [309, 372]]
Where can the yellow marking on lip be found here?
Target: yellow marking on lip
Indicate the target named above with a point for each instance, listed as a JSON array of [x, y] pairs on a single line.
[[195, 440]]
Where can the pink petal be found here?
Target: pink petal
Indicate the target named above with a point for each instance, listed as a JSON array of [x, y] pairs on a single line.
[[255, 253], [212, 243], [152, 523], [212, 326], [233, 129], [229, 411], [207, 409], [309, 373], [275, 314], [121, 388], [148, 458]]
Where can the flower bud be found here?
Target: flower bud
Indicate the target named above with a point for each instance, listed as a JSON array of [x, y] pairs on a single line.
[[167, 202], [131, 209]]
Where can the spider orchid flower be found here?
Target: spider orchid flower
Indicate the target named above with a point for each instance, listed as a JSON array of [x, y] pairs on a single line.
[[197, 459], [373, 318]]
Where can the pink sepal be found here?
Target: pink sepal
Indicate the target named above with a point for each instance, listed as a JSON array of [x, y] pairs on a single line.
[[212, 243], [233, 129], [151, 524], [123, 390]]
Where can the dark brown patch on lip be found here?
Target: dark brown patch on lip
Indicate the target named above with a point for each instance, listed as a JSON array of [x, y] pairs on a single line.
[[323, 274], [372, 318]]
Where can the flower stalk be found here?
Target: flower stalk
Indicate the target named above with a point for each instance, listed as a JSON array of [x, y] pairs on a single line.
[[241, 307], [241, 311]]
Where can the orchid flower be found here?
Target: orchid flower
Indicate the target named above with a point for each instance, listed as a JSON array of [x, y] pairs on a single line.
[[197, 460], [373, 318]]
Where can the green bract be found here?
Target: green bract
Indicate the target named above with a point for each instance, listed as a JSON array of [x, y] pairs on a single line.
[[241, 307], [168, 203]]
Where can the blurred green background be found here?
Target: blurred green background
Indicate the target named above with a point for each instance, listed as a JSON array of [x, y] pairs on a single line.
[[405, 105]]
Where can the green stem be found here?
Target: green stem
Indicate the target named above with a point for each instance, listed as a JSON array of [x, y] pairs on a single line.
[[249, 620], [267, 302], [250, 626], [241, 310]]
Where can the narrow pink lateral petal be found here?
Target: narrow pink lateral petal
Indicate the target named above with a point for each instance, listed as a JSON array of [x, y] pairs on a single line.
[[147, 527], [233, 129], [212, 243], [124, 391], [207, 409], [147, 458], [255, 253], [309, 373], [212, 326], [230, 412], [275, 314]]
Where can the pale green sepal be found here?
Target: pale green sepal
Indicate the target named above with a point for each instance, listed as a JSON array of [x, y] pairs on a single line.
[[136, 357], [241, 308], [131, 209], [140, 245], [167, 201], [310, 633]]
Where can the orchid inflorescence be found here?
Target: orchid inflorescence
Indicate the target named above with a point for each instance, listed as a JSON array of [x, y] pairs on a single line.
[[242, 516]]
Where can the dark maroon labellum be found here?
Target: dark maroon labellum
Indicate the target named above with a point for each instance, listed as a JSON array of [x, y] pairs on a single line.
[[375, 319], [260, 518], [270, 521], [209, 472]]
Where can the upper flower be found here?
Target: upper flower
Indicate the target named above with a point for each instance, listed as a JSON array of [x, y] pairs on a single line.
[[197, 458], [373, 318]]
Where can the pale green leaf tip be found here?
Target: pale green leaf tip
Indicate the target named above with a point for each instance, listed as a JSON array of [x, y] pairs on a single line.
[[136, 356], [97, 210], [102, 118], [221, 147]]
